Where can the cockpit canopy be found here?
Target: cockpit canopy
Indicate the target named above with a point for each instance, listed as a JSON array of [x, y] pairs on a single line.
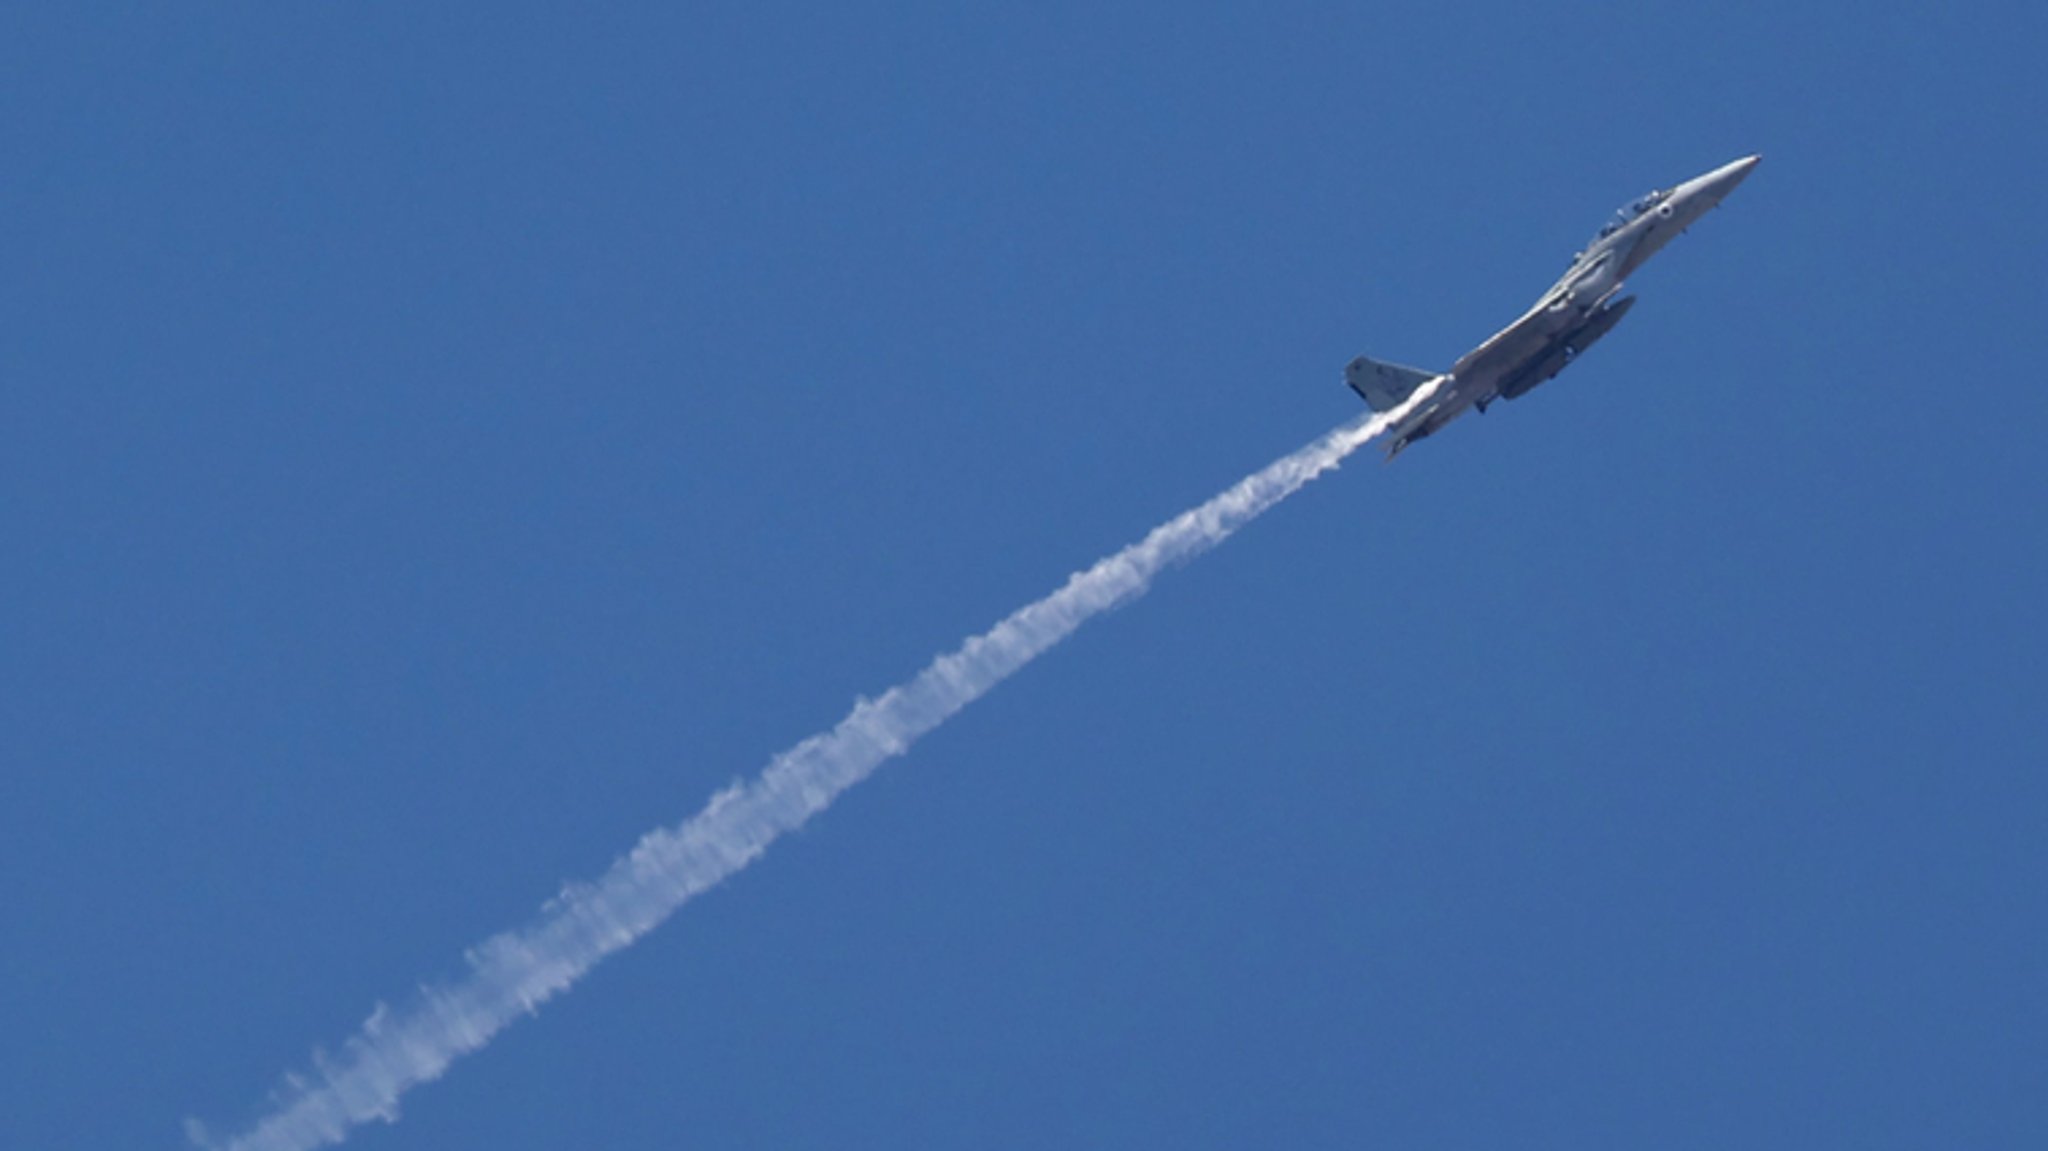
[[1629, 213]]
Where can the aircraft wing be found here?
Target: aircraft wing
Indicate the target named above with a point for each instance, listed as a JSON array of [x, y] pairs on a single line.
[[1504, 349]]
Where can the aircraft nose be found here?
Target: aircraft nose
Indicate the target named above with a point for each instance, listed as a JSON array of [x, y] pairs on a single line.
[[1737, 172], [1722, 180], [1708, 190]]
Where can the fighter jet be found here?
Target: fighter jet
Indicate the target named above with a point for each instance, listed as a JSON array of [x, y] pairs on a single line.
[[1576, 311]]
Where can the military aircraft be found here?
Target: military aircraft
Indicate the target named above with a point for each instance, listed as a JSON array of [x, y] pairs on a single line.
[[1576, 311]]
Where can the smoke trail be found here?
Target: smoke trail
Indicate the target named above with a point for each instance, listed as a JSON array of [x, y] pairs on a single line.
[[518, 971]]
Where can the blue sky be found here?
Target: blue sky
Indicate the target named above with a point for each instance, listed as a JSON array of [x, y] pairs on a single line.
[[442, 443]]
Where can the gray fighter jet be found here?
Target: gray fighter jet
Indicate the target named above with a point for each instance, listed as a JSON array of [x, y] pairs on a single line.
[[1576, 311]]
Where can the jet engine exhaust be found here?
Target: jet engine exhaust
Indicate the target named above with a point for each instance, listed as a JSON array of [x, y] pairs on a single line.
[[514, 973]]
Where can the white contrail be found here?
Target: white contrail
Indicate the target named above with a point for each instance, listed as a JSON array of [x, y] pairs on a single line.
[[516, 972]]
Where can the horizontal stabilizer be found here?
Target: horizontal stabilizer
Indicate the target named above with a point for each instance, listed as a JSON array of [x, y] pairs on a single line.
[[1384, 386]]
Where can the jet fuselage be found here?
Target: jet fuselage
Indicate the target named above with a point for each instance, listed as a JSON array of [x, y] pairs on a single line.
[[1578, 310]]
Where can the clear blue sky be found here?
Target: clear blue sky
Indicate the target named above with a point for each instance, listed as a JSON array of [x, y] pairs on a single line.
[[440, 443]]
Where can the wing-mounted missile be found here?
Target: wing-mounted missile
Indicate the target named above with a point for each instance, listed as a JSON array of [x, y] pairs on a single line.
[[1566, 349]]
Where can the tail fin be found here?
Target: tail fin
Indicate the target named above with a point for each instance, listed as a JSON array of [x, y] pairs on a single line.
[[1384, 385]]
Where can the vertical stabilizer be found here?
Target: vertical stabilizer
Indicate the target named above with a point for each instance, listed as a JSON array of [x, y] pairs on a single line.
[[1384, 386]]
